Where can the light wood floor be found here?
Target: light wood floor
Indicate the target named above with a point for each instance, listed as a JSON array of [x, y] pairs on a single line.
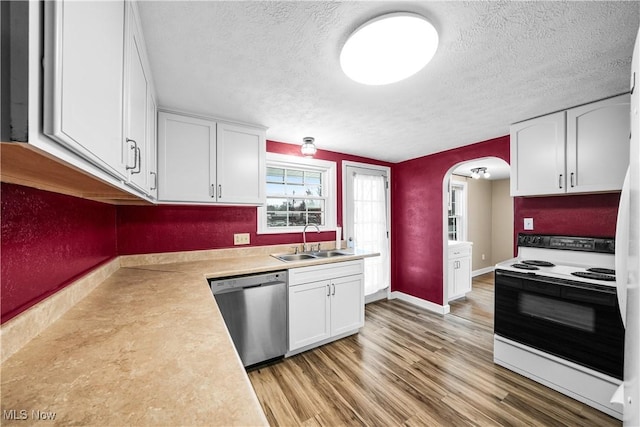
[[410, 367]]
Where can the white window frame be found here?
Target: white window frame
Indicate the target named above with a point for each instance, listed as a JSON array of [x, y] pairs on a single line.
[[462, 231], [328, 170]]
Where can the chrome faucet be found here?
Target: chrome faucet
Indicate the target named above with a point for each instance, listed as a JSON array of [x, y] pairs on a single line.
[[304, 236]]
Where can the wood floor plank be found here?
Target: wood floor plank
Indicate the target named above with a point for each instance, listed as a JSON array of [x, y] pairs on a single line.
[[410, 367]]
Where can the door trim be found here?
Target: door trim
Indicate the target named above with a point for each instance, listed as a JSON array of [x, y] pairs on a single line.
[[377, 168]]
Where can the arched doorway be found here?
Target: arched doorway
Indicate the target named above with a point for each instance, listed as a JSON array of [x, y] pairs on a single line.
[[477, 208]]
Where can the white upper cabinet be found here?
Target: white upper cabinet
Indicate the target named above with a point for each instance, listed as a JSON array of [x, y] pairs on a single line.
[[584, 149], [241, 164], [84, 79], [204, 161], [598, 145], [186, 158], [537, 156], [138, 139], [98, 94], [152, 148]]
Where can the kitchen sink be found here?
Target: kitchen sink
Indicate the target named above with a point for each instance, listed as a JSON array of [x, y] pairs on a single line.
[[328, 254], [309, 255], [294, 257]]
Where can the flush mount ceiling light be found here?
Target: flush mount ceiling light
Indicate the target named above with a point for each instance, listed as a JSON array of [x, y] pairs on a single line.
[[389, 48], [477, 173], [308, 148]]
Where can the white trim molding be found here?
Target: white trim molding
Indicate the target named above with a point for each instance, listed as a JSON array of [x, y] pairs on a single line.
[[482, 271], [422, 303]]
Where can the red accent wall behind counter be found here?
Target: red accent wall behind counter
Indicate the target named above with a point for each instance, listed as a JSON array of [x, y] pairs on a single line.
[[588, 215], [47, 241], [149, 229]]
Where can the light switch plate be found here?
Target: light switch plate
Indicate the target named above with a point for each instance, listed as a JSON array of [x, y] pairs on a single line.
[[241, 239], [528, 223]]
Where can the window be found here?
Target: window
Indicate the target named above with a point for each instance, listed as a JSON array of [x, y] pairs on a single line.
[[299, 191], [457, 211]]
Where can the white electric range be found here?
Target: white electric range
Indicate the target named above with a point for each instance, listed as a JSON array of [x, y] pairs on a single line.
[[557, 318]]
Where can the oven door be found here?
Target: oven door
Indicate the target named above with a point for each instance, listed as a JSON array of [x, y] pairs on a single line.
[[572, 320]]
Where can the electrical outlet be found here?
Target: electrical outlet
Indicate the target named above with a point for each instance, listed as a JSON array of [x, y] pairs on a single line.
[[241, 239], [528, 223], [483, 257]]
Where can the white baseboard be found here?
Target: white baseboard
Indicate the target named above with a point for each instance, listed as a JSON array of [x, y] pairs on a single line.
[[482, 271], [427, 305]]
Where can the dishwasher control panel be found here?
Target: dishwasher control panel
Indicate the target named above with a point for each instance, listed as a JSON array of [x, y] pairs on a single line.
[[246, 281]]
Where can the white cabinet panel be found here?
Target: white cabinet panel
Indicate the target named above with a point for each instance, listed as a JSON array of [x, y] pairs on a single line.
[[84, 79], [598, 145], [309, 314], [186, 158], [347, 304], [459, 270], [538, 156], [135, 141], [241, 164], [152, 148]]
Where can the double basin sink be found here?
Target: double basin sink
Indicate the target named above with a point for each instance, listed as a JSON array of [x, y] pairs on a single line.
[[310, 255]]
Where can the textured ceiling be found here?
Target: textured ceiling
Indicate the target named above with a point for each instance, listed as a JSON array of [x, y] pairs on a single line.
[[277, 64]]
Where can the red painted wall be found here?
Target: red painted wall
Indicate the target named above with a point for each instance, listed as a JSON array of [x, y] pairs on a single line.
[[417, 237], [47, 241], [589, 215], [149, 229]]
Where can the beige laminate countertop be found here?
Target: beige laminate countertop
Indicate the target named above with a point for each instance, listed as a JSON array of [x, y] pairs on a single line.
[[147, 346]]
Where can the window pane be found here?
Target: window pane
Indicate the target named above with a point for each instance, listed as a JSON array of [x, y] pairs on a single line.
[[297, 219], [296, 190], [316, 218], [312, 177], [298, 205], [275, 175], [276, 205], [315, 205], [295, 176], [276, 189], [314, 190]]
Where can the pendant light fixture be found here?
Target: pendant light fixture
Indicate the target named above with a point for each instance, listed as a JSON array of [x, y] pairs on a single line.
[[389, 48], [477, 173], [308, 148]]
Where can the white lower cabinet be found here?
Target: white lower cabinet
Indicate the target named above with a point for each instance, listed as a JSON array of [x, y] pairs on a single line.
[[326, 302], [459, 269]]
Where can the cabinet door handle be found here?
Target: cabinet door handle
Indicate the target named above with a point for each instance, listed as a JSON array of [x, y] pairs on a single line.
[[212, 190], [220, 191], [133, 147], [155, 180], [328, 290], [139, 162], [571, 179], [334, 289], [560, 181]]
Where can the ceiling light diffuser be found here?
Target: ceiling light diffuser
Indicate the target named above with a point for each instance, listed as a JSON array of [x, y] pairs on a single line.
[[389, 48]]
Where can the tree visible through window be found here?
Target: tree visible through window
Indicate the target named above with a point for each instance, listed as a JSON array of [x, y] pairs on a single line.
[[295, 197]]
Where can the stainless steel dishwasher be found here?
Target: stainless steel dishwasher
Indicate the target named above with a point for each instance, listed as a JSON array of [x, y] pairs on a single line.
[[254, 308]]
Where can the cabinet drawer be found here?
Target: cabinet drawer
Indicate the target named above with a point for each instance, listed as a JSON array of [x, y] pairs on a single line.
[[459, 251], [316, 273]]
